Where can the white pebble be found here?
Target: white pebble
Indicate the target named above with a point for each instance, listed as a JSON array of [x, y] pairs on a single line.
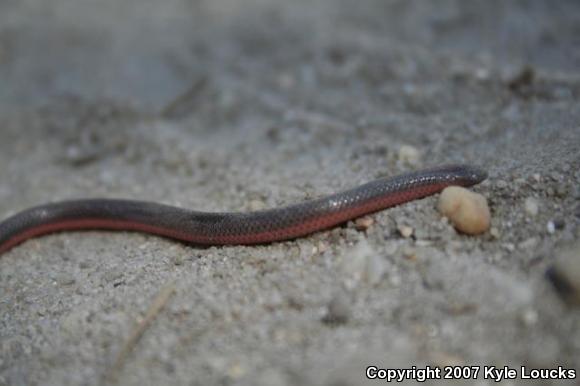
[[395, 279], [405, 231], [409, 155], [529, 317], [510, 247], [482, 74], [468, 211], [531, 206], [255, 205], [363, 223]]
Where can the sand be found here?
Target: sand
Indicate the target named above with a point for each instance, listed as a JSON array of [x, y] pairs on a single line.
[[230, 105]]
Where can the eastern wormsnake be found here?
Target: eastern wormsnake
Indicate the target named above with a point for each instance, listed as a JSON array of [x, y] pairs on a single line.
[[233, 228]]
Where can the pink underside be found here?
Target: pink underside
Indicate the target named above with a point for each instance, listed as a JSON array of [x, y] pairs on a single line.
[[86, 224], [309, 226], [333, 218]]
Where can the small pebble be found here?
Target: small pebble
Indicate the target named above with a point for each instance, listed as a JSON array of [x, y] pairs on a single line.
[[322, 246], [363, 223], [482, 74], [531, 206], [395, 279], [409, 155], [556, 176], [501, 184], [551, 227], [529, 243], [467, 211], [78, 156], [565, 274], [536, 177], [494, 232], [338, 311], [177, 259], [559, 224], [307, 250], [409, 253], [256, 204], [561, 191], [405, 231], [529, 317]]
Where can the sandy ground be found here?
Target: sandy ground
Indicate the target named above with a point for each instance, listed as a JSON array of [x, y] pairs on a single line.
[[238, 105]]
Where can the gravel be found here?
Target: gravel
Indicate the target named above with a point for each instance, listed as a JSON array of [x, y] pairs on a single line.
[[227, 105]]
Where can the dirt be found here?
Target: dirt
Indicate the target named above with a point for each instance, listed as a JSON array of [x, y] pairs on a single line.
[[230, 105]]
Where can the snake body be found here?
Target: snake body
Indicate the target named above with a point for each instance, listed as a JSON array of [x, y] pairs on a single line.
[[233, 228]]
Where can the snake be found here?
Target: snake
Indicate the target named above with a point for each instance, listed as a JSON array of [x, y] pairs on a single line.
[[233, 228]]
